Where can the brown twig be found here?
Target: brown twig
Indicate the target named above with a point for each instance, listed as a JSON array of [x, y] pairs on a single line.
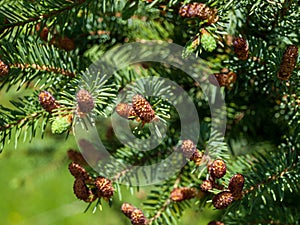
[[44, 68]]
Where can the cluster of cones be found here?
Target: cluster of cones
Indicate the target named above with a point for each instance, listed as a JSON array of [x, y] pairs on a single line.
[[87, 187], [140, 110]]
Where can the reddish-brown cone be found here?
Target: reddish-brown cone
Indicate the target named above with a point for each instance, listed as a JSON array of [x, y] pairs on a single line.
[[127, 209], [85, 101], [126, 111], [76, 157], [236, 184], [288, 62], [82, 192], [188, 148], [143, 109], [217, 169], [138, 217], [183, 193], [47, 101], [78, 171], [206, 185], [222, 200], [223, 79], [199, 10], [104, 187], [241, 48], [134, 214], [197, 157], [4, 69]]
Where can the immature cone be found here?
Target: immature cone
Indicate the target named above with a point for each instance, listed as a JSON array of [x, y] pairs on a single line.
[[63, 43], [126, 111], [143, 109], [78, 171], [85, 101], [222, 200], [236, 184], [76, 157], [43, 33], [104, 187], [61, 124], [197, 157], [288, 62], [208, 42], [47, 101], [134, 214], [215, 223], [127, 209], [183, 193], [223, 79], [206, 186], [188, 148], [199, 10], [4, 69], [82, 192], [217, 169], [241, 48], [138, 217]]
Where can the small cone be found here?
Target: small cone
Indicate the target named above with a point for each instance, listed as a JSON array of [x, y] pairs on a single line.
[[127, 209], [47, 101], [4, 69], [143, 109], [183, 193], [199, 10], [78, 171], [126, 111], [137, 217], [241, 48], [85, 101], [288, 62], [222, 200], [197, 157], [82, 192], [217, 169], [104, 187], [188, 148], [236, 184], [223, 79], [76, 157], [206, 186]]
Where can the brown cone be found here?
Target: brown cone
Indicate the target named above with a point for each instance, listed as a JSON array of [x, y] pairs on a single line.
[[183, 193], [104, 187], [4, 69], [143, 109], [76, 157], [85, 101], [137, 217], [188, 148], [206, 186], [236, 184], [82, 192], [47, 101], [222, 200], [288, 62], [127, 209], [223, 79], [241, 48], [78, 171], [199, 10], [126, 111], [217, 169]]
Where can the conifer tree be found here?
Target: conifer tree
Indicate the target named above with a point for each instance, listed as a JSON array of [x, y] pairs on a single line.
[[68, 56]]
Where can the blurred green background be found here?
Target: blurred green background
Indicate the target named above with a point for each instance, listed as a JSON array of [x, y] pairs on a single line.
[[37, 188]]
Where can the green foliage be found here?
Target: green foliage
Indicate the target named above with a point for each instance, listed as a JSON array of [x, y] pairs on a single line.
[[48, 45]]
